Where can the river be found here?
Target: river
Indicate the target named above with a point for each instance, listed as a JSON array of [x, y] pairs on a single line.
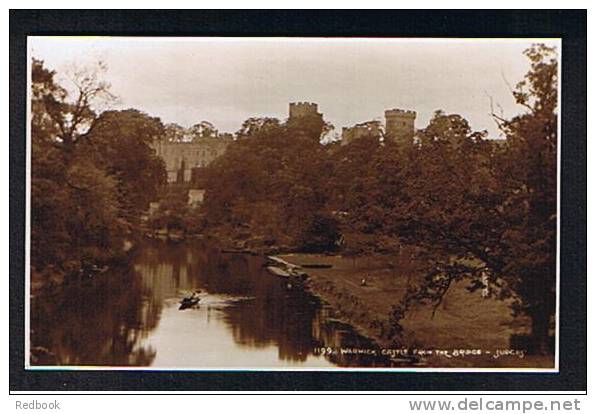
[[246, 319]]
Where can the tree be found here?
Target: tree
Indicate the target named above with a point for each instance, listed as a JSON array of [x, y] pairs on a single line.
[[271, 187], [175, 213], [257, 126], [75, 213], [68, 117], [202, 130], [121, 144], [175, 133], [321, 234], [46, 96], [91, 174], [312, 127], [488, 208], [528, 173]]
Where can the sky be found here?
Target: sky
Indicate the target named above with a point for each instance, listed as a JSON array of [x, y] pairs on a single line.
[[227, 80]]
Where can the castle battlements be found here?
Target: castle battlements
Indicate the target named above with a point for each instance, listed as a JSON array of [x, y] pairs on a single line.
[[303, 109], [396, 112], [305, 104]]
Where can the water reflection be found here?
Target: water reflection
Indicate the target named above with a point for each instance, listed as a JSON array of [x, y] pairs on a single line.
[[98, 324], [247, 318]]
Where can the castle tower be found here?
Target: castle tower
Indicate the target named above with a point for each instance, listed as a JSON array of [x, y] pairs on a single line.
[[399, 124], [303, 110]]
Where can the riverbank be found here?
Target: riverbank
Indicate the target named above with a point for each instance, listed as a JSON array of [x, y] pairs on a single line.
[[363, 290], [54, 278]]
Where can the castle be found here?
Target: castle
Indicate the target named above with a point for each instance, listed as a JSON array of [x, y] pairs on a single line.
[[399, 124], [399, 127], [365, 129], [182, 157], [303, 110]]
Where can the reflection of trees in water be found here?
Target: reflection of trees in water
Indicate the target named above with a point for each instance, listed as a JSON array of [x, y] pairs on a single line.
[[292, 320], [98, 324], [337, 335], [230, 274], [277, 317], [106, 322], [295, 322], [169, 269]]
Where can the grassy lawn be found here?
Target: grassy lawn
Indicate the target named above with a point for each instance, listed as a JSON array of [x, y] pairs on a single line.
[[464, 320]]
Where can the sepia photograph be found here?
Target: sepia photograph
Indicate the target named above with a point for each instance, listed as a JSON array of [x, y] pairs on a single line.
[[293, 203]]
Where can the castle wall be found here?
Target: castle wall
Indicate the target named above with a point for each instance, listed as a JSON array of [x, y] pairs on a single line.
[[367, 129], [184, 156]]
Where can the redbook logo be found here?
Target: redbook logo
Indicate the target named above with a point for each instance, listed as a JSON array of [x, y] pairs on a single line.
[[37, 405]]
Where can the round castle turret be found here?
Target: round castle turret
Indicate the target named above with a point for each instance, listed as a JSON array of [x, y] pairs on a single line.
[[399, 124]]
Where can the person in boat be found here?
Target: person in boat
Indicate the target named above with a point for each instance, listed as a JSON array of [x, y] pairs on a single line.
[[190, 301], [194, 298]]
